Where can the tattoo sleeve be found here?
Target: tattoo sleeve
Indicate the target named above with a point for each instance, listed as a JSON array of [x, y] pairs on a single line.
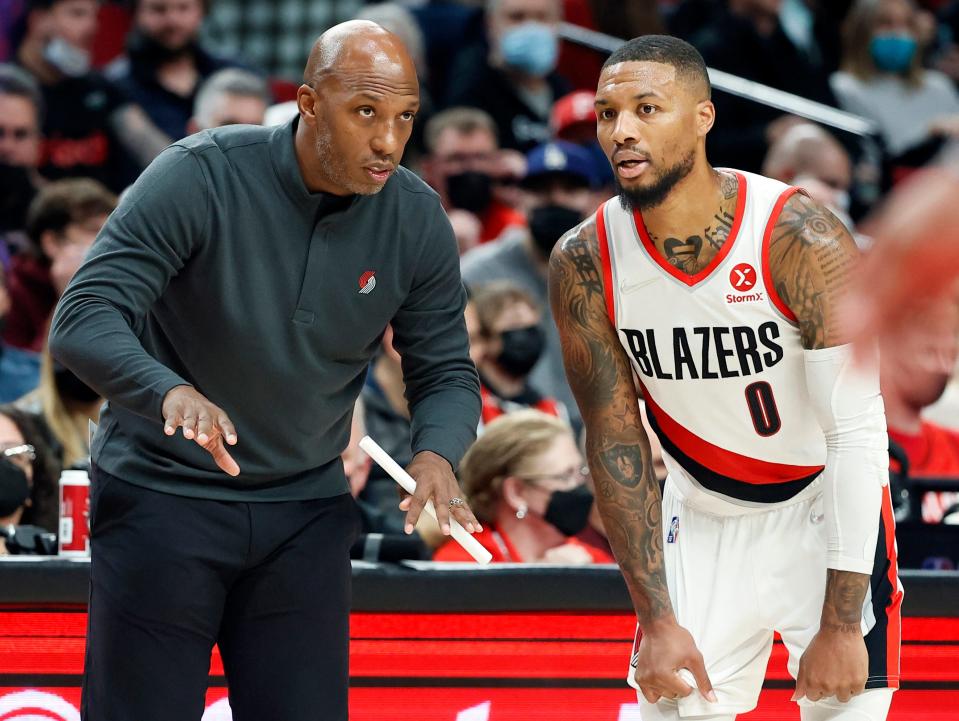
[[627, 492], [842, 607], [811, 256]]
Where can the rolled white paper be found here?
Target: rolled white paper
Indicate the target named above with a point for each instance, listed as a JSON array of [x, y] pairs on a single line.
[[460, 534]]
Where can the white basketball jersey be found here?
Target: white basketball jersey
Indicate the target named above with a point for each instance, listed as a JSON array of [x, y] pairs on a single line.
[[718, 353]]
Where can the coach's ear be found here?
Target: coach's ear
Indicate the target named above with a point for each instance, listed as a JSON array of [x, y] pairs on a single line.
[[705, 117], [306, 100]]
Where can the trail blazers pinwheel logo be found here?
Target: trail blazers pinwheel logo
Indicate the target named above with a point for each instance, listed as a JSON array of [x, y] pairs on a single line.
[[367, 282]]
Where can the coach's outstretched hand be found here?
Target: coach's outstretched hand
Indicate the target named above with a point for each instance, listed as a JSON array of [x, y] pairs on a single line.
[[434, 479], [202, 421], [665, 648]]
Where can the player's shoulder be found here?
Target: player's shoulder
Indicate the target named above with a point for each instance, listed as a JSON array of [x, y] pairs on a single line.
[[577, 240], [805, 220]]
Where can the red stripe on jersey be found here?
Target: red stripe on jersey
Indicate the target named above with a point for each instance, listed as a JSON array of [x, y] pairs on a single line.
[[893, 614], [692, 280], [607, 264], [722, 461], [767, 238]]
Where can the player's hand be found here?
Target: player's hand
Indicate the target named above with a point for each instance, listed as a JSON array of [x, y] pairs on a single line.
[[835, 664], [434, 479], [202, 421], [664, 649]]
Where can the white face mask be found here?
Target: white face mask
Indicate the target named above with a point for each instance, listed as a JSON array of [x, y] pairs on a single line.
[[70, 60]]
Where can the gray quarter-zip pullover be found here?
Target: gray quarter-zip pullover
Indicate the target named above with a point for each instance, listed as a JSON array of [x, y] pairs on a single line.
[[221, 270]]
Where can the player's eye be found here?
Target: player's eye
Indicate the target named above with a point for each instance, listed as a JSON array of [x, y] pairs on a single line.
[[408, 115], [647, 109], [607, 114], [366, 111]]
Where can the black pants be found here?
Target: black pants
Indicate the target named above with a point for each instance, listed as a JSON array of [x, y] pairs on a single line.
[[171, 576]]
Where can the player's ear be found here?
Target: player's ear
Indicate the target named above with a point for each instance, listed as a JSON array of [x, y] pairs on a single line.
[[705, 117], [306, 102]]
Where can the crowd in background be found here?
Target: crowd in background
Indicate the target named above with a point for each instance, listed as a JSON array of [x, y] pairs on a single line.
[[91, 92]]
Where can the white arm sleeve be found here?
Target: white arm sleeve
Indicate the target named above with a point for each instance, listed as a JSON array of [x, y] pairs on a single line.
[[845, 397]]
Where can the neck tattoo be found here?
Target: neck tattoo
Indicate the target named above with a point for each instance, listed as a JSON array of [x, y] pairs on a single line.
[[696, 251]]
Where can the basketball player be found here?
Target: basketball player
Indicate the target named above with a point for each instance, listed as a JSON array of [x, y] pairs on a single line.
[[719, 289]]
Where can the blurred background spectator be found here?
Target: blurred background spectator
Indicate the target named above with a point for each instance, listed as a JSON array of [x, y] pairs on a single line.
[[557, 195], [526, 483], [911, 383], [882, 78], [63, 406], [21, 108], [62, 222], [810, 157], [511, 324], [24, 446], [464, 165], [513, 77], [165, 62], [19, 369], [229, 97], [89, 128]]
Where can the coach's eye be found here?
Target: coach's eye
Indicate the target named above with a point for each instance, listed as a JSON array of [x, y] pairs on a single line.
[[366, 112]]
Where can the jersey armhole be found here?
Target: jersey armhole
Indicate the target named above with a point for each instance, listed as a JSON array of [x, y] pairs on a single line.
[[767, 239], [603, 243]]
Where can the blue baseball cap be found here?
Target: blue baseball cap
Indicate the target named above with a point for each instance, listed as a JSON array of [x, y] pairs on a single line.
[[559, 157]]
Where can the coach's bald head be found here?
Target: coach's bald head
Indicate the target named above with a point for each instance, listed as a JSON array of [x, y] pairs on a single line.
[[359, 96]]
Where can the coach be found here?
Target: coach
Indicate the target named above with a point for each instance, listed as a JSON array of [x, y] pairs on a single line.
[[238, 293]]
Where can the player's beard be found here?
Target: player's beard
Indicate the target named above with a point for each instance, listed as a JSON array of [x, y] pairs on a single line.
[[653, 195], [334, 165]]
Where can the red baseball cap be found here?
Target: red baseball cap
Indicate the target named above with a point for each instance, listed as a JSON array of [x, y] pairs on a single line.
[[571, 112]]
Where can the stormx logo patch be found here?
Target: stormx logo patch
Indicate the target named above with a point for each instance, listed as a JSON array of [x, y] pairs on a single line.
[[673, 534]]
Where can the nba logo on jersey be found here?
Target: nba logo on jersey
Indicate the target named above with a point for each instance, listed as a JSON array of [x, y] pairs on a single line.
[[673, 535]]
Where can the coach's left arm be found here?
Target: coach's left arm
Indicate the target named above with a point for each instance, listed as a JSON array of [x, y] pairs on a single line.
[[811, 258]]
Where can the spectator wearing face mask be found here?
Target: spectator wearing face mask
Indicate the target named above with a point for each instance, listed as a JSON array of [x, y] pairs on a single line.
[[21, 108], [527, 484], [882, 78], [62, 223], [89, 128], [464, 166], [165, 62], [64, 406], [515, 82], [28, 478], [558, 190], [511, 324]]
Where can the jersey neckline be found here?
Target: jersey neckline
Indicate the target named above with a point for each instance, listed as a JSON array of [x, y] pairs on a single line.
[[691, 280]]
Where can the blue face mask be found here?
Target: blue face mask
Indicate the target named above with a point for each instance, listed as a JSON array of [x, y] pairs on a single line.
[[893, 53], [531, 47]]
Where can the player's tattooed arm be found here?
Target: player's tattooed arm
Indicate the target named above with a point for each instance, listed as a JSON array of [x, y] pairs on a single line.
[[617, 448], [811, 257], [842, 607]]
